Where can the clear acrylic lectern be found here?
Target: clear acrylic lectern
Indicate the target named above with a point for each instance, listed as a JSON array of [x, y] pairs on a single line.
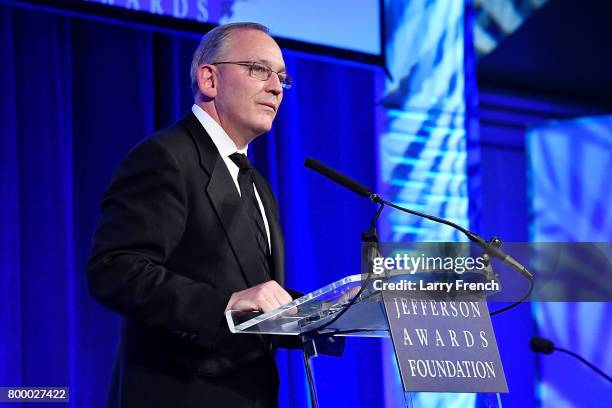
[[324, 312]]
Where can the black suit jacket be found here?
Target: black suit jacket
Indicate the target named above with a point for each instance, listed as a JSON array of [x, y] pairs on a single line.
[[173, 244]]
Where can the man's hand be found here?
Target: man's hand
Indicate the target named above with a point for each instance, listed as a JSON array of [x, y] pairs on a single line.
[[264, 297]]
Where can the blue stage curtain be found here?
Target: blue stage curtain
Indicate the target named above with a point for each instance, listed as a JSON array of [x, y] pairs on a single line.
[[75, 96]]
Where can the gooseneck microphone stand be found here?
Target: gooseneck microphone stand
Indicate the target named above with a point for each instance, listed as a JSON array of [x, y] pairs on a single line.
[[370, 242], [488, 247]]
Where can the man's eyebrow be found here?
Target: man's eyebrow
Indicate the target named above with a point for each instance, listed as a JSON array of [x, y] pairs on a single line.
[[269, 64]]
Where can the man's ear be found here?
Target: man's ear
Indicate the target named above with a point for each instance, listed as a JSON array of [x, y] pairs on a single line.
[[207, 80]]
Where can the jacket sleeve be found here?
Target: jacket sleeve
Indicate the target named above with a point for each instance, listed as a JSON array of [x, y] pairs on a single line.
[[144, 212]]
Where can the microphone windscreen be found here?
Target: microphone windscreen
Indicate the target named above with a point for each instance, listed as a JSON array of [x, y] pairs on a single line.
[[338, 177], [541, 345]]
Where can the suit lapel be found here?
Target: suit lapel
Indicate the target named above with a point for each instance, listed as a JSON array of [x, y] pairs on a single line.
[[226, 202]]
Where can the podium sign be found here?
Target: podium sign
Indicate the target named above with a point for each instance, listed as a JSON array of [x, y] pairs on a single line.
[[444, 342]]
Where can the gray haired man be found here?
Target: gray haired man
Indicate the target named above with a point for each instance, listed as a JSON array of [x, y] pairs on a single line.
[[190, 230]]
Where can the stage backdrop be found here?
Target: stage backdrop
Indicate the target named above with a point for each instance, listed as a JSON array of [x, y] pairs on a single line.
[[570, 163], [75, 96]]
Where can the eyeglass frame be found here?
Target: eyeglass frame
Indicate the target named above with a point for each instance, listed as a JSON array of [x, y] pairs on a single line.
[[285, 83]]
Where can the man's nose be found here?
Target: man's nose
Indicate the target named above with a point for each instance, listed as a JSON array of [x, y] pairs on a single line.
[[274, 84]]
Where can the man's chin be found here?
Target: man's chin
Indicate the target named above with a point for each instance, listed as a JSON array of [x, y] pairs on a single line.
[[264, 128], [258, 132]]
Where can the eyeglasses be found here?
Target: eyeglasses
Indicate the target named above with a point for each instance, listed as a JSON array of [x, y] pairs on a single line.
[[261, 72]]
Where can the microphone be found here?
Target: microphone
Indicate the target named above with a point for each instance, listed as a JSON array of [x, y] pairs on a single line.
[[541, 345], [364, 191], [545, 346], [337, 177]]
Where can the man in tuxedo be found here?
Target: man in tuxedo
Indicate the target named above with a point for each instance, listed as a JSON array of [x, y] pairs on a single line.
[[190, 230]]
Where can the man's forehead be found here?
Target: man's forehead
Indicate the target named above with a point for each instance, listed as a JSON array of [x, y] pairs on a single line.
[[254, 45]]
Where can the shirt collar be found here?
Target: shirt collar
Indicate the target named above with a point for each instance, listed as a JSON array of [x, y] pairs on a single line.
[[220, 138]]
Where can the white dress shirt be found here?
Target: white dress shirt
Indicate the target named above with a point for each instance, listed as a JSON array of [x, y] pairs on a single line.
[[227, 147]]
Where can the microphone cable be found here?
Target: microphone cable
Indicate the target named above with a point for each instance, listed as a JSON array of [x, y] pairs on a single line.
[[364, 191], [545, 346]]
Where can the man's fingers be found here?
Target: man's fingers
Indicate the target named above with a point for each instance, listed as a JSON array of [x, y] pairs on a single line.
[[265, 297], [275, 294], [291, 311], [244, 305], [282, 297]]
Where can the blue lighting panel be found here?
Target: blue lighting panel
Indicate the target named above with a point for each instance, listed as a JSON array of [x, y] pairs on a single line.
[[422, 144], [570, 163]]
